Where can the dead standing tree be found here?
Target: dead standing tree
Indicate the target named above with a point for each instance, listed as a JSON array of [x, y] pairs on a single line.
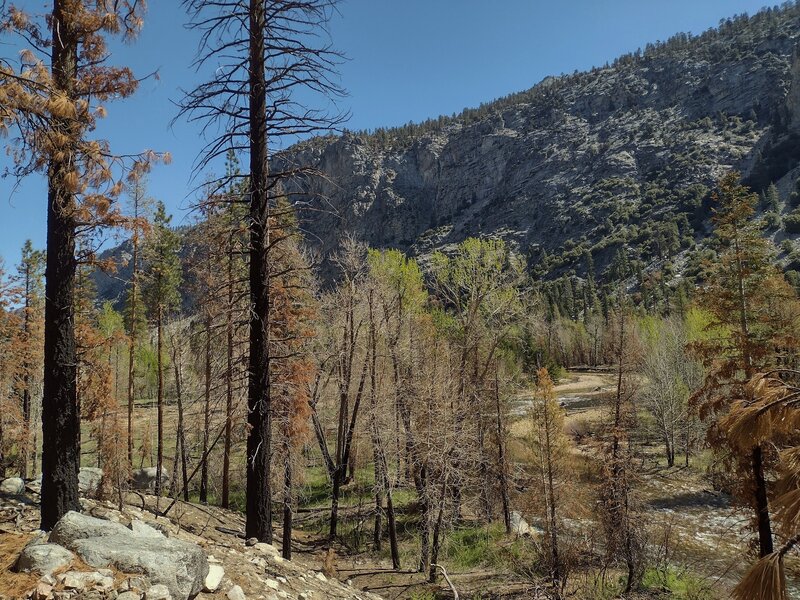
[[258, 56], [348, 367]]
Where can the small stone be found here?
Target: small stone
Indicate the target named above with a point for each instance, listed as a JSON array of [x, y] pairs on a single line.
[[272, 584], [305, 596], [265, 548], [13, 486], [236, 593], [82, 580], [42, 591], [158, 592], [135, 584], [251, 541], [321, 576], [283, 580], [214, 577], [129, 596]]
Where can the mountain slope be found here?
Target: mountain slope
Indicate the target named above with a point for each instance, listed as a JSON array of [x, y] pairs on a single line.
[[621, 156]]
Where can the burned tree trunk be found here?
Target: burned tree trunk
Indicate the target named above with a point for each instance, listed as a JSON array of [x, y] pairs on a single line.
[[60, 409]]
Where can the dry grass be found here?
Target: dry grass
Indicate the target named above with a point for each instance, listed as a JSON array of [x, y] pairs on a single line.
[[15, 585]]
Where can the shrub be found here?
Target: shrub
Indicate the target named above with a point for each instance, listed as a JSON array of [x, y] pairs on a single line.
[[791, 222]]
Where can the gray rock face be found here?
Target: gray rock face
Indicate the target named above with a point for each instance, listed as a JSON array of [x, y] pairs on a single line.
[[12, 486], [180, 566], [44, 558], [552, 164], [145, 479]]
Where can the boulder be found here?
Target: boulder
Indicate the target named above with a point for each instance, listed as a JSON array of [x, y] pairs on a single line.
[[89, 479], [179, 566], [519, 525], [76, 526], [12, 486], [145, 479], [43, 558]]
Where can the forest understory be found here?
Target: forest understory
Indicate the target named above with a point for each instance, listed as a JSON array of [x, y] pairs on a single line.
[[699, 539]]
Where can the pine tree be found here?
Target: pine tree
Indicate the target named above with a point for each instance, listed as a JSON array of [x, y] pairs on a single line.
[[11, 433], [742, 287], [241, 38], [550, 453], [772, 198], [54, 107], [30, 280], [135, 318], [162, 277]]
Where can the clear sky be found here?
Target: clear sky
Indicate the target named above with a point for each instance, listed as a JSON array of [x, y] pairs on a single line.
[[407, 61]]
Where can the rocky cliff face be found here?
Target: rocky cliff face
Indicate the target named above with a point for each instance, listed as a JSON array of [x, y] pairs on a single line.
[[587, 162]]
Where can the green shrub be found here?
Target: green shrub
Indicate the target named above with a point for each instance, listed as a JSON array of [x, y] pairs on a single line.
[[791, 222]]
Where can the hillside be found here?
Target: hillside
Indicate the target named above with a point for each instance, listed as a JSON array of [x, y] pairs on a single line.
[[621, 155]]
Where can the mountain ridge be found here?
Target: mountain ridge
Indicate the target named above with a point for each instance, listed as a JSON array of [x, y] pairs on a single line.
[[567, 165], [579, 167]]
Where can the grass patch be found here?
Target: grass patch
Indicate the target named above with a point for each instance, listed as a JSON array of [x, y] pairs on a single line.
[[681, 584], [470, 547]]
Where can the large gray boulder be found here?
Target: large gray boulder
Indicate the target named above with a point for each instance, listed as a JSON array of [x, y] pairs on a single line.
[[12, 486], [89, 479], [145, 479], [180, 566], [43, 558], [76, 526]]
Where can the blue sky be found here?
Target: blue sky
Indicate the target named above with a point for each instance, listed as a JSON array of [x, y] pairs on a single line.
[[407, 61]]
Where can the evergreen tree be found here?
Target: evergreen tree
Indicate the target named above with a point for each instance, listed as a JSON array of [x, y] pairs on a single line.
[[772, 198], [740, 294], [162, 276], [30, 281]]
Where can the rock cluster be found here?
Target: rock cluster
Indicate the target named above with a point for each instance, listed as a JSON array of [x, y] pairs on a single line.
[[170, 568], [107, 554]]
